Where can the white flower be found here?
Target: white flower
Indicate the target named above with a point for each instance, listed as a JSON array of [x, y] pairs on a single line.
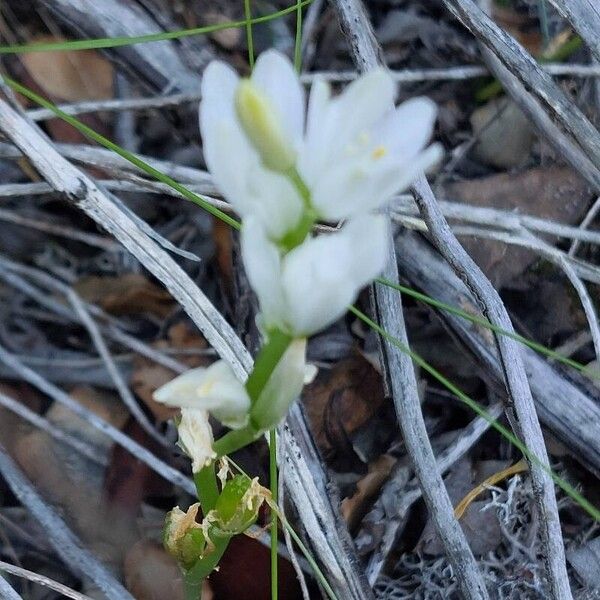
[[359, 150], [356, 153], [283, 387], [215, 389], [310, 287], [196, 437], [236, 167]]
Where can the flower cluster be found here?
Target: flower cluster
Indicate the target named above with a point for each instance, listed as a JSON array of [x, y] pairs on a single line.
[[285, 164]]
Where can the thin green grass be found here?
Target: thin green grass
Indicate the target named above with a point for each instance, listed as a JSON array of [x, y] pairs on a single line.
[[117, 42], [577, 497], [298, 39], [249, 36], [483, 322], [477, 408]]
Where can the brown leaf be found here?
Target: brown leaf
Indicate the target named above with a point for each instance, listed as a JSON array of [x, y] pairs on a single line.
[[354, 508], [339, 404], [70, 75], [127, 294], [555, 193], [151, 574]]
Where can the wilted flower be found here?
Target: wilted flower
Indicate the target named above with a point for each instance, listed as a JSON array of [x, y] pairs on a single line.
[[183, 536], [310, 287], [196, 437], [237, 506], [215, 389], [356, 152]]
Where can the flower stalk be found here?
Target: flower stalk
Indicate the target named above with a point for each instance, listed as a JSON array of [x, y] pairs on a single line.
[[284, 167]]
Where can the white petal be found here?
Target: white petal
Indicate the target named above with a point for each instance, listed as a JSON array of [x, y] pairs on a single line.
[[263, 268], [273, 200], [215, 389], [362, 104], [324, 275], [319, 132], [369, 237], [196, 437], [227, 152], [406, 130], [284, 385], [363, 185], [235, 166], [276, 77]]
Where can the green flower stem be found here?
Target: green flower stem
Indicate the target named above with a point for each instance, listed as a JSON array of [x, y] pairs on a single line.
[[300, 186], [206, 488], [266, 361], [203, 568], [273, 526], [235, 439], [294, 238]]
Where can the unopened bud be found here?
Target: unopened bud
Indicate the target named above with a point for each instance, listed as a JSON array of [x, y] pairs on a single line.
[[260, 123]]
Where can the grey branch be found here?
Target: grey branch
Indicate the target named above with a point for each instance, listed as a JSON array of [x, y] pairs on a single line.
[[514, 57], [520, 409], [80, 560], [398, 367]]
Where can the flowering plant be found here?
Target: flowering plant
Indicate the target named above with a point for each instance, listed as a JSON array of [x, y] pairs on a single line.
[[284, 167]]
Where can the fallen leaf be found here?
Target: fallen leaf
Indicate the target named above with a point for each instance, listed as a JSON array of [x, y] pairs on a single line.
[[339, 404], [71, 75], [554, 193], [127, 294], [354, 508], [228, 38], [481, 528]]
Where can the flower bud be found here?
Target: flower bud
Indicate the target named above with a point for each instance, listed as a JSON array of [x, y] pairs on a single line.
[[262, 127], [283, 387]]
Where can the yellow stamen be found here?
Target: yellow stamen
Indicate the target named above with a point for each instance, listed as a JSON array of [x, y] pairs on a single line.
[[379, 152]]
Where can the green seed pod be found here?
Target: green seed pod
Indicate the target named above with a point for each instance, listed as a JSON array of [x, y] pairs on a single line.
[[237, 507], [183, 537]]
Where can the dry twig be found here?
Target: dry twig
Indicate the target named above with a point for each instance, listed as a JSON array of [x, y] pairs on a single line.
[[398, 367]]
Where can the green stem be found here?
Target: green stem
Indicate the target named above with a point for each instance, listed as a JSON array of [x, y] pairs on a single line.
[[206, 488], [249, 38], [274, 531], [203, 568], [296, 236], [234, 440], [266, 361]]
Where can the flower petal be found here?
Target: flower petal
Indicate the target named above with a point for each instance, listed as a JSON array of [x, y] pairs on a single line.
[[235, 166], [315, 152], [276, 77], [407, 129], [324, 275], [283, 387], [363, 185], [227, 152], [215, 389], [360, 106], [263, 268]]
